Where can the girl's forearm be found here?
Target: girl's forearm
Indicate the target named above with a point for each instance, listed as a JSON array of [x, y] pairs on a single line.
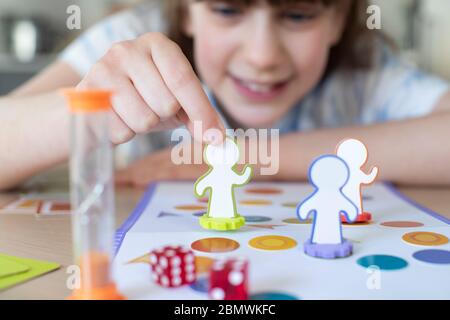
[[415, 151], [33, 136]]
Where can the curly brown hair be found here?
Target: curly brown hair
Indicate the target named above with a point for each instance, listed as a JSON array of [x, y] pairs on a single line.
[[354, 51]]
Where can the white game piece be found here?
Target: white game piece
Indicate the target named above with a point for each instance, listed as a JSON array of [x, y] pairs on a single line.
[[221, 179], [328, 174], [355, 154]]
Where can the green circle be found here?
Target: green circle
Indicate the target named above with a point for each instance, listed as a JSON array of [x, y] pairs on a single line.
[[383, 262]]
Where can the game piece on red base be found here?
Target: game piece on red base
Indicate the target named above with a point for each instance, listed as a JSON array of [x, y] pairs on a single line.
[[355, 154], [328, 251], [228, 280], [361, 218], [173, 266]]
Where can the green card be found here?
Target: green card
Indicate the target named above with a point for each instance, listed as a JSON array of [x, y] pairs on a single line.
[[9, 267], [14, 270]]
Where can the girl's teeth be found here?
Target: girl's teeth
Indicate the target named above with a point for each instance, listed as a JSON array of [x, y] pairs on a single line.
[[262, 88]]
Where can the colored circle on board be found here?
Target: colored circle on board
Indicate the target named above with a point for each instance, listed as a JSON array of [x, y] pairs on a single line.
[[198, 214], [203, 264], [273, 296], [215, 245], [272, 243], [263, 190], [357, 224], [402, 224], [200, 285], [290, 204], [257, 219], [190, 207], [297, 221], [433, 256], [383, 262], [425, 238], [256, 202]]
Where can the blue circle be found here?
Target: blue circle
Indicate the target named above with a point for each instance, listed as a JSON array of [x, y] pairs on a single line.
[[198, 214], [256, 219], [272, 296], [383, 262], [433, 256], [200, 285]]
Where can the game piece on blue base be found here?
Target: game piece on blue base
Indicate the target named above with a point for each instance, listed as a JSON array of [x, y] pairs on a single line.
[[328, 174], [220, 180], [328, 251], [355, 154]]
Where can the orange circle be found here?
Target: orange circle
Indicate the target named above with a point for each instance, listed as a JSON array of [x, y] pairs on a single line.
[[256, 202], [263, 190], [425, 238], [190, 207], [402, 224], [215, 245], [203, 264]]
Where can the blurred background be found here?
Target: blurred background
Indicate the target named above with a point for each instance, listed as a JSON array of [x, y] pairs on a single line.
[[33, 32]]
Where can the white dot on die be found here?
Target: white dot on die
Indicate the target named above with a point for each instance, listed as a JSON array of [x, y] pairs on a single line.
[[189, 258], [155, 276], [189, 268], [170, 253], [217, 294], [163, 262], [176, 281], [153, 259], [235, 278], [165, 281], [175, 261], [176, 271], [158, 270], [190, 277]]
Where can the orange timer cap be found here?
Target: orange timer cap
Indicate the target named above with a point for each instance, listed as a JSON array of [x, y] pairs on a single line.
[[88, 100]]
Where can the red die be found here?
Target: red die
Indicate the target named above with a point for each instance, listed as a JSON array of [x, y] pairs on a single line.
[[228, 280], [173, 266]]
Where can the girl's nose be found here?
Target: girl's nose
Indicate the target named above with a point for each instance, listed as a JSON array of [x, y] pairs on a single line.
[[263, 47]]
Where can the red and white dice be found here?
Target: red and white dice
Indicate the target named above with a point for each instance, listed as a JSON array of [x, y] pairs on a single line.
[[173, 266], [228, 280]]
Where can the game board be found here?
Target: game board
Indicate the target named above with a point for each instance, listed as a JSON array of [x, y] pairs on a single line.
[[169, 211]]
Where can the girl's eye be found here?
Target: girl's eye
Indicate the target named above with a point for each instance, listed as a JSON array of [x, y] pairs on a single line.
[[226, 10], [297, 17]]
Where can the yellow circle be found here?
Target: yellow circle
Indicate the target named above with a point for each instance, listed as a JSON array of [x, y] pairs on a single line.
[[425, 238], [272, 243]]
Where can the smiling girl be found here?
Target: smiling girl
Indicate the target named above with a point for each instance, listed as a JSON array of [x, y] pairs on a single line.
[[309, 68]]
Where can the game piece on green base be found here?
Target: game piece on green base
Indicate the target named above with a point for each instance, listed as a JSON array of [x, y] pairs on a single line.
[[220, 180], [222, 224]]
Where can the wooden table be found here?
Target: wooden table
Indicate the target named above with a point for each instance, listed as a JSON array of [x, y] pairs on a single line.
[[49, 238]]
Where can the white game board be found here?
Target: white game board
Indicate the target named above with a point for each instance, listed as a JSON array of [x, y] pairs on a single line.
[[288, 271]]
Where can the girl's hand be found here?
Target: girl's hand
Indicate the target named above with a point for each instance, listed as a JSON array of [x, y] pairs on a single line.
[[157, 166], [155, 89]]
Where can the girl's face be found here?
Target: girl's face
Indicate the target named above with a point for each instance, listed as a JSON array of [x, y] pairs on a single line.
[[259, 60]]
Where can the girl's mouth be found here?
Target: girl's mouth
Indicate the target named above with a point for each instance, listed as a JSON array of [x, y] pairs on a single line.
[[259, 91]]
